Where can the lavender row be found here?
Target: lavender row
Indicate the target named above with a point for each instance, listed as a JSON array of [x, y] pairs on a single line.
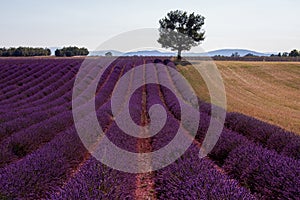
[[44, 76], [48, 103], [14, 69], [193, 178], [28, 140], [32, 90], [268, 135], [17, 124], [97, 181], [272, 137], [36, 92], [182, 179], [34, 70], [17, 73], [72, 69], [231, 141], [11, 127], [263, 171], [173, 102], [21, 143], [44, 171], [94, 180]]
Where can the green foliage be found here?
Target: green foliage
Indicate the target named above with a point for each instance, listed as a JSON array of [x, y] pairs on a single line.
[[25, 51], [71, 51], [294, 53], [108, 54], [285, 54], [250, 55], [235, 55], [181, 31]]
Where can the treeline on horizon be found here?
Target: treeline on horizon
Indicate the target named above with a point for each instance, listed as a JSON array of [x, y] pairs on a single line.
[[37, 51], [251, 58], [294, 55], [24, 52], [71, 51]]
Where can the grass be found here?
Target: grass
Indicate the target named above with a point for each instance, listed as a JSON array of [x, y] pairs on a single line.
[[265, 90]]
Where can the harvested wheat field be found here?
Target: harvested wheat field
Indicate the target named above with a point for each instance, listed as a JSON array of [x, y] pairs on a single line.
[[265, 90]]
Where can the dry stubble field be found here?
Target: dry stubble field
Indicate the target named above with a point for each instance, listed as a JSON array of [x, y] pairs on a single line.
[[269, 91]]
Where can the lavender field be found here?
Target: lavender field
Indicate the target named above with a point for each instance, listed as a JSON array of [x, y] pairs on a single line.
[[42, 156]]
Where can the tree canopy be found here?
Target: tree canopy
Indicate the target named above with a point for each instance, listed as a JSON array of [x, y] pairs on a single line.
[[235, 54], [24, 51], [294, 53], [181, 31], [71, 51], [108, 54]]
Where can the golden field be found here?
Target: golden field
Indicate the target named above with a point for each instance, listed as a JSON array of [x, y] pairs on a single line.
[[269, 91]]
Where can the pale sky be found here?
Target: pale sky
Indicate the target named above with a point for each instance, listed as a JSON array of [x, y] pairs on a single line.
[[260, 25]]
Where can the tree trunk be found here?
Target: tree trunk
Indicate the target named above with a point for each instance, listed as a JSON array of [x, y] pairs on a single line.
[[179, 54]]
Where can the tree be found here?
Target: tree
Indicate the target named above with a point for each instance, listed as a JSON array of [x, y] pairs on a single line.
[[181, 31], [71, 51], [249, 55], [58, 52], [285, 54], [235, 55], [108, 54], [48, 52], [25, 51], [294, 53]]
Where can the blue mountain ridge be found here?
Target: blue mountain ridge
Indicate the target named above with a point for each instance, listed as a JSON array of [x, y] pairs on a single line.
[[221, 52]]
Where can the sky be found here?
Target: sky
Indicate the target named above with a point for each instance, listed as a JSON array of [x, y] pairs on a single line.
[[260, 25]]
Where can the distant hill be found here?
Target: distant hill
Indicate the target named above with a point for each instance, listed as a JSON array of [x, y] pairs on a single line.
[[229, 52], [134, 53], [102, 53], [150, 53], [221, 52]]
